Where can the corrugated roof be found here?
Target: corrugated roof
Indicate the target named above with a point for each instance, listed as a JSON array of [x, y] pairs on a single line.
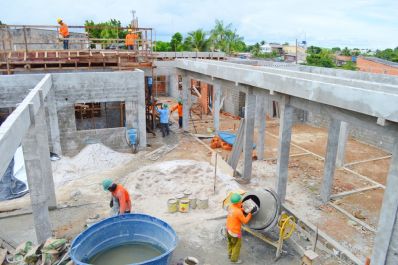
[[382, 61]]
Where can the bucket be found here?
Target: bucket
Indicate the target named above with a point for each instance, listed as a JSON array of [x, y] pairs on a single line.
[[184, 206], [179, 197], [172, 205], [124, 230], [187, 194], [191, 261], [202, 203], [192, 202]]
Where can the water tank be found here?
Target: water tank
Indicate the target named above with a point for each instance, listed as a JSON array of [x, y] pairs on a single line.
[[268, 209], [123, 230]]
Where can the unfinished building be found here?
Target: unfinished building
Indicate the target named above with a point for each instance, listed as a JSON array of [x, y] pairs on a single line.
[[64, 112]]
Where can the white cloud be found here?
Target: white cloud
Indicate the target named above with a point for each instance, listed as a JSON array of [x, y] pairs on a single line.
[[354, 23]]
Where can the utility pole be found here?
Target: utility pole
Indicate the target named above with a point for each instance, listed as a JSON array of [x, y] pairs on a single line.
[[296, 51]]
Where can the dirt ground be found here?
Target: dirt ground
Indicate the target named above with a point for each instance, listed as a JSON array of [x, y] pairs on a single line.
[[200, 230]]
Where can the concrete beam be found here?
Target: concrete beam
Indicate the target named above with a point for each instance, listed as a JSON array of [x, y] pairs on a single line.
[[217, 105], [250, 107], [343, 138], [330, 160], [186, 95], [53, 123], [36, 171], [313, 89], [285, 135], [385, 249], [261, 108]]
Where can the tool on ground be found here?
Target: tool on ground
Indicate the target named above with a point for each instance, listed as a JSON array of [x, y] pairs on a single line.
[[267, 217]]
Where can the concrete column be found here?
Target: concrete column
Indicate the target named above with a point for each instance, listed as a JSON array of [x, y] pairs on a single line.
[[285, 135], [385, 249], [173, 85], [343, 138], [250, 107], [261, 109], [330, 160], [186, 94], [53, 122], [36, 175], [217, 105], [131, 113]]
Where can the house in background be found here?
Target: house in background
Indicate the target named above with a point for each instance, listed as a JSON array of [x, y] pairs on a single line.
[[266, 48], [342, 59], [289, 52], [376, 65]]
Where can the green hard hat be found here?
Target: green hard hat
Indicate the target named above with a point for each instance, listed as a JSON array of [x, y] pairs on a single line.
[[165, 106], [106, 183], [235, 198]]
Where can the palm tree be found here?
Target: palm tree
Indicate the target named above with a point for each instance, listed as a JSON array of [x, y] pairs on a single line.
[[233, 41], [198, 40], [219, 33]]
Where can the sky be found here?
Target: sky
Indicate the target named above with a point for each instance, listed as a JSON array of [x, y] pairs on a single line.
[[327, 23]]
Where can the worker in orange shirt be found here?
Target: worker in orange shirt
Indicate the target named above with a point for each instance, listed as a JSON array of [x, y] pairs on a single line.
[[120, 201], [64, 32], [130, 39], [235, 219], [179, 108]]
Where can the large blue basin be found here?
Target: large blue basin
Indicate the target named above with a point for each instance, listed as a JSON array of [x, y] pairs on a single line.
[[121, 230]]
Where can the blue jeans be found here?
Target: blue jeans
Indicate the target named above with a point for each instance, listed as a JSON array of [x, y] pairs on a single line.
[[66, 43], [165, 129]]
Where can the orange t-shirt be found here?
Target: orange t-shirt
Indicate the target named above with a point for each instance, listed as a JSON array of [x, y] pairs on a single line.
[[236, 218], [124, 198], [179, 107], [130, 38], [64, 30]]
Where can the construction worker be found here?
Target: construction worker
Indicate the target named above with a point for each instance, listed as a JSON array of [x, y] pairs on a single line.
[[235, 219], [164, 119], [130, 39], [64, 32], [120, 201], [179, 108]]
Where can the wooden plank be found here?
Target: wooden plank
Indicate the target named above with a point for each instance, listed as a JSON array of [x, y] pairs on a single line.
[[353, 218], [237, 148]]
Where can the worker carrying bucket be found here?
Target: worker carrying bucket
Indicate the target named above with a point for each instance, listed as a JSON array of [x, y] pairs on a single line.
[[120, 201], [236, 217]]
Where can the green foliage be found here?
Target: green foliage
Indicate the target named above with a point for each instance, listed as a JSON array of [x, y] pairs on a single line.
[[176, 42], [346, 52], [224, 38], [322, 59], [388, 54], [336, 49], [255, 50], [350, 66], [314, 50], [285, 43], [162, 46], [198, 40], [105, 30]]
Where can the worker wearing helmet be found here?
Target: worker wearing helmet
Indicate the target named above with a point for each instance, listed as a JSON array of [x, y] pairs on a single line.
[[164, 119], [235, 219], [120, 201], [179, 108], [64, 32], [130, 39]]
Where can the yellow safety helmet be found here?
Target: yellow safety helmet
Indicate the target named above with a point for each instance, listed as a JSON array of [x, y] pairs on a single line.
[[130, 30], [59, 20]]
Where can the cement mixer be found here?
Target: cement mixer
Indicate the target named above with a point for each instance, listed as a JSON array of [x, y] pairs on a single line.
[[267, 217]]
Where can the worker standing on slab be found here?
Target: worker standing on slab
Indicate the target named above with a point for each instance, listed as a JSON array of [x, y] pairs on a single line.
[[179, 108], [64, 32], [120, 201], [164, 119], [130, 39], [235, 219]]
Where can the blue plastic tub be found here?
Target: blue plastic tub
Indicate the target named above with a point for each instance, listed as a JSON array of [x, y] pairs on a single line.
[[121, 230]]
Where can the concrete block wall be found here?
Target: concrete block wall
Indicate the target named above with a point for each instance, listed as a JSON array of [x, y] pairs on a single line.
[[98, 87], [231, 93], [367, 136]]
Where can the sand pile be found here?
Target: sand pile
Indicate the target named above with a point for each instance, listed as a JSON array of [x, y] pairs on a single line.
[[93, 158]]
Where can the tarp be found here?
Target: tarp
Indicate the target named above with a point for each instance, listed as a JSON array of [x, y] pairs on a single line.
[[13, 183]]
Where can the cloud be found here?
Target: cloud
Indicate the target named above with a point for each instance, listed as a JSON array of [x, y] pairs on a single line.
[[354, 23]]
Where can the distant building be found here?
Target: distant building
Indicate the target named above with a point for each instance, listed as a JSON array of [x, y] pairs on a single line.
[[266, 48], [376, 65], [276, 47], [289, 52], [342, 59]]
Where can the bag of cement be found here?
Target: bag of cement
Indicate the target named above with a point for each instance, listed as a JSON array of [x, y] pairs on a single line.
[[33, 255], [52, 249], [248, 206], [21, 251]]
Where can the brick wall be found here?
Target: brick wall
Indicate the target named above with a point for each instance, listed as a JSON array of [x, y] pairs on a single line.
[[365, 65]]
